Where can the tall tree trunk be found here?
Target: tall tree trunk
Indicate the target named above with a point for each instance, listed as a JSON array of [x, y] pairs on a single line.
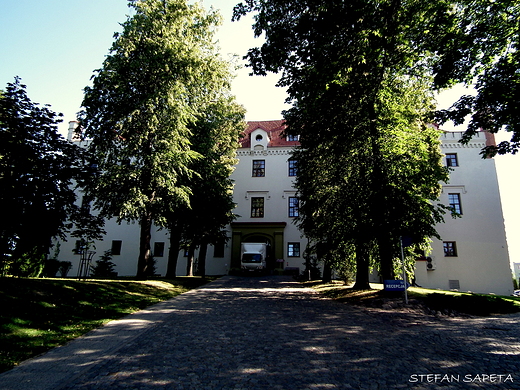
[[386, 255], [173, 251], [144, 264], [201, 270], [189, 264], [308, 267], [322, 252], [327, 272], [362, 267]]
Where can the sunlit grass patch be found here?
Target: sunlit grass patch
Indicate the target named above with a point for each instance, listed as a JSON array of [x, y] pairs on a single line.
[[435, 301], [39, 314]]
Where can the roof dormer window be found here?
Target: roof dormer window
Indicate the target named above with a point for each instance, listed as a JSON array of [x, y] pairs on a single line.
[[259, 139]]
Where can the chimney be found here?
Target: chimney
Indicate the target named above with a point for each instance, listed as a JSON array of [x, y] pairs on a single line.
[[74, 133]]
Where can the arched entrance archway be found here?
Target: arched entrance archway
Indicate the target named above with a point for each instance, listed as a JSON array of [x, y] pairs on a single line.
[[264, 232], [264, 239]]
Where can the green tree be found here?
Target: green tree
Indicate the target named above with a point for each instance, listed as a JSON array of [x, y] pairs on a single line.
[[162, 72], [215, 137], [483, 51], [359, 74], [104, 267], [37, 168]]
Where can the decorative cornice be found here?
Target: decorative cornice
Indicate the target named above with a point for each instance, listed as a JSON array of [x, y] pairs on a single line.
[[454, 187], [288, 193], [458, 145], [268, 152], [260, 192], [236, 225]]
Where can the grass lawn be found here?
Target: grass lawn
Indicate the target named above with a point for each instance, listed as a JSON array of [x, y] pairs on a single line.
[[432, 301], [39, 314]]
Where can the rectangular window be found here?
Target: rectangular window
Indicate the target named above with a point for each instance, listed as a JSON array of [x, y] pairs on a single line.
[[258, 168], [293, 249], [116, 247], [454, 201], [78, 247], [451, 160], [292, 167], [450, 248], [294, 205], [85, 204], [291, 137], [218, 250], [257, 207], [158, 249]]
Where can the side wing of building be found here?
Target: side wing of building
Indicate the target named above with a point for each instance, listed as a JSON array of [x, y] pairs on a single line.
[[472, 254]]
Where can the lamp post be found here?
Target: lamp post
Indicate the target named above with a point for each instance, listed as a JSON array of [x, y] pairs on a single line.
[[405, 241]]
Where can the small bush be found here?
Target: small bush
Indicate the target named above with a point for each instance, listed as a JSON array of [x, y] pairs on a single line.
[[29, 265], [50, 268], [104, 267], [64, 269], [312, 270]]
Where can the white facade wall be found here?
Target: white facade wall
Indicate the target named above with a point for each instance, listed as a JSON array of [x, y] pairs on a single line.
[[481, 264], [126, 261], [516, 272], [276, 188], [482, 260]]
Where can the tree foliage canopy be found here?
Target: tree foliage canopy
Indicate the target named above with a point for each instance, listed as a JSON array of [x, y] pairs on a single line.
[[360, 75], [484, 49], [474, 42], [217, 132], [215, 137], [37, 169], [162, 73]]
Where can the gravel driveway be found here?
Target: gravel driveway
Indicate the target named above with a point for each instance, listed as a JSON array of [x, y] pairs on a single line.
[[271, 333]]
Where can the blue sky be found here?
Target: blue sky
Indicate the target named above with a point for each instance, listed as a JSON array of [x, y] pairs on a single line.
[[55, 45]]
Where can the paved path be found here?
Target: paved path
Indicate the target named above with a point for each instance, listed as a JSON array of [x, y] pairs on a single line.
[[270, 333]]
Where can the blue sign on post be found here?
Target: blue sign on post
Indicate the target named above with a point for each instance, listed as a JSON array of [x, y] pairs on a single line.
[[395, 285]]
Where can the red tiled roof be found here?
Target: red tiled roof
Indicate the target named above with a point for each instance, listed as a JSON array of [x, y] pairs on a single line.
[[274, 130]]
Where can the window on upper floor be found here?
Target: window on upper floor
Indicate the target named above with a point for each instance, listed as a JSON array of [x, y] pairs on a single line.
[[258, 168], [291, 137], [257, 207], [452, 160], [116, 247], [454, 201], [450, 248], [294, 206], [293, 170], [158, 249], [293, 249]]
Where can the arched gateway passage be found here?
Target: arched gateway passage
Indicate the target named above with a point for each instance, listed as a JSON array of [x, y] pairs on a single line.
[[270, 233]]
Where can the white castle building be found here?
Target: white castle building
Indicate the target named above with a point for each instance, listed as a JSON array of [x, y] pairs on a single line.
[[472, 255]]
